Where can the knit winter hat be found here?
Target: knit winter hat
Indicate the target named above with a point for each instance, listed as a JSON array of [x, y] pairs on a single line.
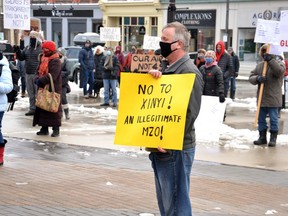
[[49, 45], [210, 53]]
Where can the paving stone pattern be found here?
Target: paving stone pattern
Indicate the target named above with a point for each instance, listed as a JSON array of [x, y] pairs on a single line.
[[59, 179]]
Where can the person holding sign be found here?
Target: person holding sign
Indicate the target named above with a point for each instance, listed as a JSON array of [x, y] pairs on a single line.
[[172, 168], [30, 54], [272, 94]]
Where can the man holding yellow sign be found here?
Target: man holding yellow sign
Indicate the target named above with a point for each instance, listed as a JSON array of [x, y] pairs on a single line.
[[162, 117], [172, 168]]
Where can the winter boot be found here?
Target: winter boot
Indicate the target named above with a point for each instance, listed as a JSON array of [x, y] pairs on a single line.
[[56, 132], [273, 138], [262, 138], [2, 146], [43, 131], [66, 111]]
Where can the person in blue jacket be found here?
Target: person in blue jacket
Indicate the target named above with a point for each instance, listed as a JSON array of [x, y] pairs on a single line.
[[86, 60]]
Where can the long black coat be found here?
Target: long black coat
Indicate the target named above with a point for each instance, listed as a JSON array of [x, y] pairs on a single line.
[[42, 117]]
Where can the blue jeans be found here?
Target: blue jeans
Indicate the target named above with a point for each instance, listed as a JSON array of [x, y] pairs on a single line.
[[172, 180], [226, 86], [232, 84], [273, 114], [110, 83], [21, 67], [1, 135], [88, 78]]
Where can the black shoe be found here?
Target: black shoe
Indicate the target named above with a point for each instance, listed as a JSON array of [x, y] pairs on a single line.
[[23, 94], [55, 133], [30, 113], [114, 105], [105, 104], [43, 132]]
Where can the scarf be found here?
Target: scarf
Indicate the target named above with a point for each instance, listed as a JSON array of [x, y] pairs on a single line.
[[43, 68], [108, 64]]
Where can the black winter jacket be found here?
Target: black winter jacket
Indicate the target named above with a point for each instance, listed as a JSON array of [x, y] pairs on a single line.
[[213, 80], [31, 57], [226, 65]]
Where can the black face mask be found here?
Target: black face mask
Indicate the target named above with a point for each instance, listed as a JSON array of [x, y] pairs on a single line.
[[166, 48], [32, 42]]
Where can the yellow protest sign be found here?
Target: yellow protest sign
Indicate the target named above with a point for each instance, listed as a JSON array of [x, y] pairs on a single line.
[[152, 112]]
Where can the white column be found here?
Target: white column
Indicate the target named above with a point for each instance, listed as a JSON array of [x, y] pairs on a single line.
[[89, 25], [65, 32], [48, 29]]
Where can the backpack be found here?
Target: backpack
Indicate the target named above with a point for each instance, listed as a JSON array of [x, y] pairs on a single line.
[[12, 96]]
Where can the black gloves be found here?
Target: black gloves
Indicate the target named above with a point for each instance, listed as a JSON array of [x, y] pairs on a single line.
[[236, 74], [267, 57], [261, 79], [221, 98], [16, 48]]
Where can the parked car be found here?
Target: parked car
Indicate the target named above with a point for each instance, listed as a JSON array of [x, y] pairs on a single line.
[[81, 38], [73, 64], [8, 51], [193, 55]]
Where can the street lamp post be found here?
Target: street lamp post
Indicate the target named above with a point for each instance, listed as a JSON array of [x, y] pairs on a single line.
[[227, 23], [170, 11]]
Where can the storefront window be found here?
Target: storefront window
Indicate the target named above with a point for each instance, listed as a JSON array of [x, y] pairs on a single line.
[[133, 20], [202, 38], [57, 32], [247, 47], [154, 26], [141, 20], [126, 20], [132, 36]]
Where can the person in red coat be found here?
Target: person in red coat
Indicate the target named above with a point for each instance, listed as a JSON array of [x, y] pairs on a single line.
[[49, 63]]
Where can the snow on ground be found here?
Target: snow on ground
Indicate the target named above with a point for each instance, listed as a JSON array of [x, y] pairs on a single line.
[[229, 137]]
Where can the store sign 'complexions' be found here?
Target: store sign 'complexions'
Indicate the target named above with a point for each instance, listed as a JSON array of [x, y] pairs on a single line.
[[196, 18]]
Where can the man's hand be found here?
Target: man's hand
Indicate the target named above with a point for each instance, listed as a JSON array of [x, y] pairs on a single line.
[[267, 57], [236, 74], [261, 79], [161, 150], [155, 73]]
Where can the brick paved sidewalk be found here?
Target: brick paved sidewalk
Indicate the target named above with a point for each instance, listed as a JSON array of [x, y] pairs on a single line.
[[59, 179]]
